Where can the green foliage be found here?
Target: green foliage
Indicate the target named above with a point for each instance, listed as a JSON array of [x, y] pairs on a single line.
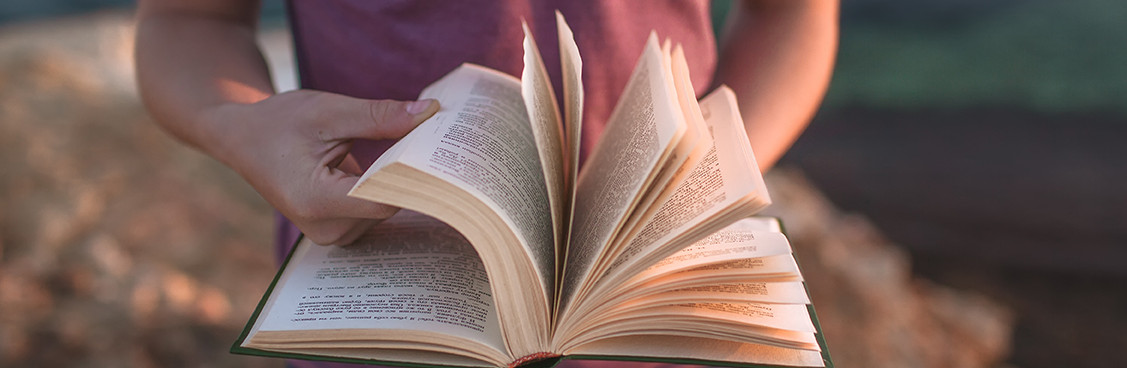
[[1041, 54]]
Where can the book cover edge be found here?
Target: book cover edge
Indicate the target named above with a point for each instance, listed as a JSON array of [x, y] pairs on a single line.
[[819, 335], [237, 347]]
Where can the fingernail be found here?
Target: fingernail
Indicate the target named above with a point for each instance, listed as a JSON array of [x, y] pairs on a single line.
[[418, 106]]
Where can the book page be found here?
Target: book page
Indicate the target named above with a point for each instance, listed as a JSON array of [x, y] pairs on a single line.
[[741, 253], [482, 142], [762, 223], [737, 241], [784, 325], [790, 292], [777, 267], [639, 133], [409, 273], [419, 357], [544, 116], [727, 180], [787, 325], [662, 293], [791, 317], [688, 153], [680, 347], [571, 67]]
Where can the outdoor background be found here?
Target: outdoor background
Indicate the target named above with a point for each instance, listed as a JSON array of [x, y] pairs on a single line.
[[958, 201]]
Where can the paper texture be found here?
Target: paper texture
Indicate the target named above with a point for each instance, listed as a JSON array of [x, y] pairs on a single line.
[[482, 142], [410, 273]]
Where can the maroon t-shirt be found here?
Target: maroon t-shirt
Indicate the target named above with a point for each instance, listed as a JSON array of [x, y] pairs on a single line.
[[393, 49]]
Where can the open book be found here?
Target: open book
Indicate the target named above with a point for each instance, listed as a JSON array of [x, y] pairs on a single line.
[[506, 254]]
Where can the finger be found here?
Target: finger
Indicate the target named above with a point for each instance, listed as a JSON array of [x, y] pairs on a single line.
[[352, 118], [334, 187], [339, 230], [329, 231], [357, 232]]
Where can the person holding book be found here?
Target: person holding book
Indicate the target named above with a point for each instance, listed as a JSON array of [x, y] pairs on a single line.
[[362, 65]]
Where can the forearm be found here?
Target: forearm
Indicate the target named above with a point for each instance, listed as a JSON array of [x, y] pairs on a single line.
[[778, 56], [203, 78], [190, 62]]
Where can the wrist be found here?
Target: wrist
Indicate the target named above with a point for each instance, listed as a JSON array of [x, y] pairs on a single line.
[[224, 133]]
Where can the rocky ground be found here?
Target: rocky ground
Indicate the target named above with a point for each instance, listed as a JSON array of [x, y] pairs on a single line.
[[121, 247]]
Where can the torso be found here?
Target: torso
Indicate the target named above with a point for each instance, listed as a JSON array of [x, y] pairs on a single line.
[[393, 49]]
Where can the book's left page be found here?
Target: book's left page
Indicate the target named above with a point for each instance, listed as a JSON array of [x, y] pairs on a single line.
[[474, 165], [411, 284]]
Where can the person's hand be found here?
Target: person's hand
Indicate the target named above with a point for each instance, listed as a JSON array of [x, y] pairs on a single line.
[[293, 148]]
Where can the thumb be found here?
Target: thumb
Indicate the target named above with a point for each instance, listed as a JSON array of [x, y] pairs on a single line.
[[334, 196], [379, 119], [393, 119]]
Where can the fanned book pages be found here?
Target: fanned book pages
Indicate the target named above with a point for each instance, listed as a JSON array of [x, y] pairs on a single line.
[[507, 255]]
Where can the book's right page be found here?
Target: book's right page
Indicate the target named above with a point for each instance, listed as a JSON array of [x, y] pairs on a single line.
[[702, 351], [544, 118], [724, 187], [693, 148], [644, 125], [571, 68], [759, 238]]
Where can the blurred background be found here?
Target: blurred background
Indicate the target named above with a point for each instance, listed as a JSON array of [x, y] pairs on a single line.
[[957, 202]]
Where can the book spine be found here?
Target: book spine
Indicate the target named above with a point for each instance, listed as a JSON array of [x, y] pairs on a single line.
[[531, 358]]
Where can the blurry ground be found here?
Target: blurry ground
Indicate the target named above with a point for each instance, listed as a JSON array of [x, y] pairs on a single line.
[[118, 245]]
